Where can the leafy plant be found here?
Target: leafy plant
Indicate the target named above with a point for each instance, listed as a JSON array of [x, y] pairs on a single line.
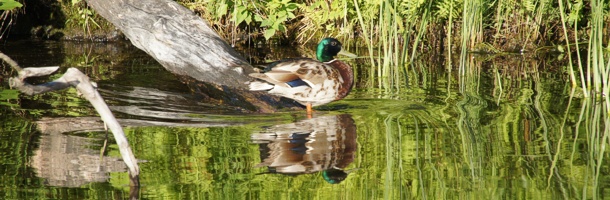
[[8, 13], [7, 96], [322, 18], [85, 17], [274, 21], [9, 4]]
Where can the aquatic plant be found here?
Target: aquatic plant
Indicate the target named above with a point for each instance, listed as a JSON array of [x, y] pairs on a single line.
[[9, 4], [8, 8], [83, 17]]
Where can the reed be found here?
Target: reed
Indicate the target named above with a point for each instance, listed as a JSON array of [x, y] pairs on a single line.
[[365, 32], [592, 126], [598, 62], [396, 32], [594, 68], [598, 68], [570, 65], [472, 30]]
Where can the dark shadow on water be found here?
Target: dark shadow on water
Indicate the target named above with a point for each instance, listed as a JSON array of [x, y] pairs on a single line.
[[324, 144]]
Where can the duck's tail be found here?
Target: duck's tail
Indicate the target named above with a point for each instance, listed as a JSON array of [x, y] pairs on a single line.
[[259, 86]]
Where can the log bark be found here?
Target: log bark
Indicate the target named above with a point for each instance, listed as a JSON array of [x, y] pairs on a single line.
[[177, 38], [187, 46]]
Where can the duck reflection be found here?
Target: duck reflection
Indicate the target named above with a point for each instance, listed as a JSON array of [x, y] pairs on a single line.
[[325, 143]]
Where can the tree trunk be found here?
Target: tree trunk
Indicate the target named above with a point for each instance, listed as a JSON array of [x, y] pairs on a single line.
[[186, 45], [177, 38]]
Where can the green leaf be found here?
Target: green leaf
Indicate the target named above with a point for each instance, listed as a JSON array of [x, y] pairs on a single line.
[[266, 23], [281, 16], [9, 94], [560, 48], [221, 11], [281, 28], [87, 12], [9, 4], [240, 18], [241, 15], [291, 7], [291, 15], [276, 24], [248, 19], [258, 18], [269, 33]]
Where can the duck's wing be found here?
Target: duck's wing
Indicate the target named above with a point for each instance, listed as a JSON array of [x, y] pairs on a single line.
[[298, 72], [318, 74], [284, 62], [277, 77]]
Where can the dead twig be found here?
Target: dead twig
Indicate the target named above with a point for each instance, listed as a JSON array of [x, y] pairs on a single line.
[[75, 78]]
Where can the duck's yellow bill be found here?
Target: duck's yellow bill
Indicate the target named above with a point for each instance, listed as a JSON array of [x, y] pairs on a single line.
[[348, 54]]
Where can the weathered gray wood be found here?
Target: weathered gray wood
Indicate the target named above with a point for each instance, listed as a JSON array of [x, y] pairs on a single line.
[[177, 38], [186, 45]]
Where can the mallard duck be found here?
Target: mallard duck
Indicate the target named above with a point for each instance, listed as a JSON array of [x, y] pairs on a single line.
[[307, 81]]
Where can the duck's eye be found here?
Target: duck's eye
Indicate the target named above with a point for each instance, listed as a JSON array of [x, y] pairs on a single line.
[[333, 43]]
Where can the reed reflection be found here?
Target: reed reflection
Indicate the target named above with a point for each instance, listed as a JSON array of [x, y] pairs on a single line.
[[324, 144]]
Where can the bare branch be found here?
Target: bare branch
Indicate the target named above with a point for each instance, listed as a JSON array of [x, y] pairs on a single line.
[[38, 71], [10, 61], [75, 78]]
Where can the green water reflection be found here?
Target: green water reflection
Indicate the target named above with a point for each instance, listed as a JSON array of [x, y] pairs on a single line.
[[502, 130]]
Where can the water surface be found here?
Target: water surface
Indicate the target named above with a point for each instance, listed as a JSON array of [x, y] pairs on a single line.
[[502, 128]]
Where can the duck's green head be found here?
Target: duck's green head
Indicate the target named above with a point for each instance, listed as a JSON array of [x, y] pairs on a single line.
[[334, 176], [327, 49]]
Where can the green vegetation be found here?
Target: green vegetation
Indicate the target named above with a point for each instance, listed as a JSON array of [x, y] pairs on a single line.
[[86, 20], [504, 127], [496, 123], [7, 9], [82, 23], [396, 32], [9, 4], [67, 20]]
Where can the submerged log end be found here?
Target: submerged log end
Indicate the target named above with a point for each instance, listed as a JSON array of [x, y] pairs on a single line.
[[134, 180], [246, 100]]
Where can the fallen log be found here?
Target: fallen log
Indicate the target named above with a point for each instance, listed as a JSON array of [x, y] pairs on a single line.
[[184, 44]]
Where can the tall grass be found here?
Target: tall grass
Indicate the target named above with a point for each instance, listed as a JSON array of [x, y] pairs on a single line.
[[382, 37], [472, 30], [598, 65], [597, 116], [395, 32], [594, 68], [592, 124], [567, 41]]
